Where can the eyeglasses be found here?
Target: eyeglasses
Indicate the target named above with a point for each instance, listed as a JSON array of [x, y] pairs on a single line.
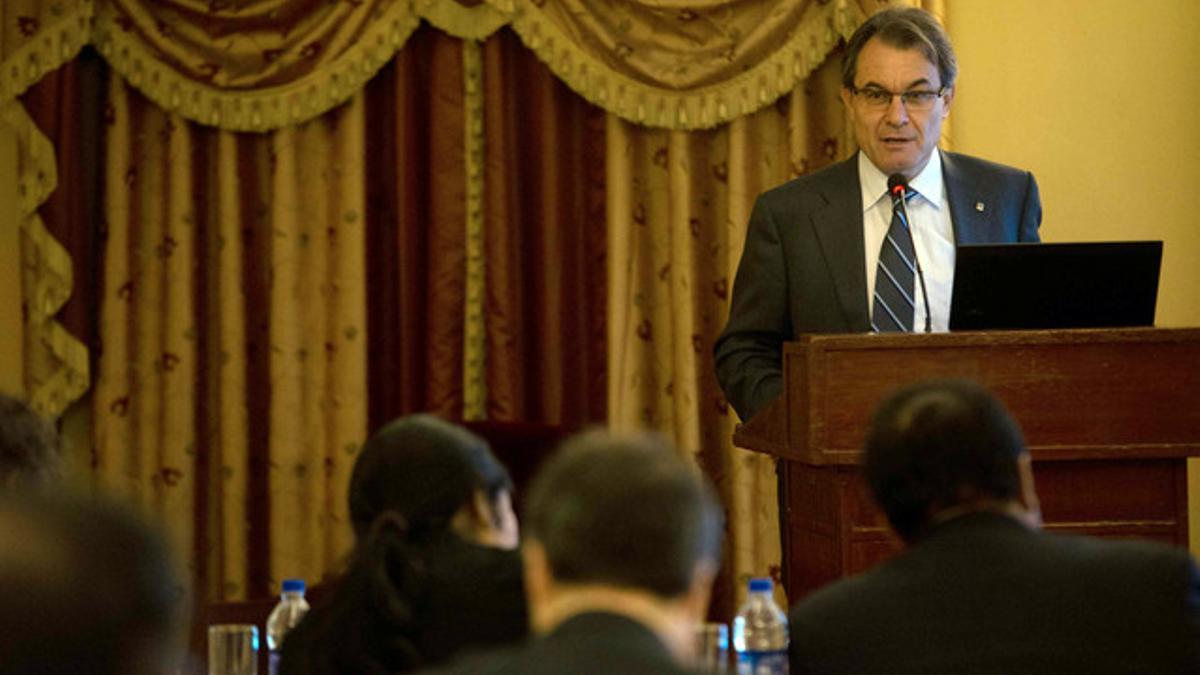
[[916, 100]]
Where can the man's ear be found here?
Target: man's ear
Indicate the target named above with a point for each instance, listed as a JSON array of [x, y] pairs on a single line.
[[473, 519], [947, 99], [539, 583], [699, 593], [1028, 496], [481, 510]]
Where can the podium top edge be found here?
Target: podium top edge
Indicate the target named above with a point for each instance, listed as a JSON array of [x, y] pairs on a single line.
[[997, 337]]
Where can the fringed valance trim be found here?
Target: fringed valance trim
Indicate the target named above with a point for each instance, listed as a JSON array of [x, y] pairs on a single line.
[[262, 109], [465, 23], [56, 362], [815, 36], [320, 91], [55, 45]]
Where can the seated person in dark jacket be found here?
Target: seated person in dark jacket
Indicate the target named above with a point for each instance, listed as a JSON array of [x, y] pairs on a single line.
[[435, 569], [622, 542], [981, 589]]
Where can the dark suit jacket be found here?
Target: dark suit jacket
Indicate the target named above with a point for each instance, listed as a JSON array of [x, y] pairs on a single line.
[[984, 594], [588, 644], [802, 269]]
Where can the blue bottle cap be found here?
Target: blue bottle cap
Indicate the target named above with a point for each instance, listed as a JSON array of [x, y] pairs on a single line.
[[761, 585], [293, 585]]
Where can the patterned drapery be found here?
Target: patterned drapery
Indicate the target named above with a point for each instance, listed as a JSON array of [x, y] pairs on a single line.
[[677, 221], [265, 64], [268, 298]]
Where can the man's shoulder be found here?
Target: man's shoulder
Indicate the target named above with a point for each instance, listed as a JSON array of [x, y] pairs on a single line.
[[1117, 556], [976, 166], [587, 643], [838, 176], [1082, 559], [840, 600]]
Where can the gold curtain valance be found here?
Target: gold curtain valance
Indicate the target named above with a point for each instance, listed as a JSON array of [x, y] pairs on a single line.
[[676, 65], [250, 66], [259, 65], [37, 37]]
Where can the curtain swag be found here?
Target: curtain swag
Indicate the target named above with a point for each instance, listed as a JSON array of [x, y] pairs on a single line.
[[56, 363], [262, 65], [656, 65]]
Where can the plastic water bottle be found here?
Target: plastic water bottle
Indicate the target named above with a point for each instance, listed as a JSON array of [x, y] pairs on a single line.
[[291, 608], [760, 633]]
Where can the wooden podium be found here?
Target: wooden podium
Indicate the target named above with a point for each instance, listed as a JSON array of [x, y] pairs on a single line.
[[1110, 417]]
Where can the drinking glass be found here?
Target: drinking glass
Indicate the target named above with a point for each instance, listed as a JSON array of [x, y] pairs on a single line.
[[712, 648], [233, 649]]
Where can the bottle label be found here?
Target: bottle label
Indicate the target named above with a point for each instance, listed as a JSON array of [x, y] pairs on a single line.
[[763, 663]]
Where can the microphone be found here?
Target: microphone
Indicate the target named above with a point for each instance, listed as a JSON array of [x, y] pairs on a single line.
[[898, 189]]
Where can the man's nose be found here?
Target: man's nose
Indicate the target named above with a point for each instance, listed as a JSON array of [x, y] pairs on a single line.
[[896, 114]]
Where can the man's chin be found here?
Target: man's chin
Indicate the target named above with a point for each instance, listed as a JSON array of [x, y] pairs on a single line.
[[893, 163]]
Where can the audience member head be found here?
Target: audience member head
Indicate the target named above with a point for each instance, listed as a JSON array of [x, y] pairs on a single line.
[[85, 587], [938, 448], [420, 485], [620, 517], [431, 475], [29, 449]]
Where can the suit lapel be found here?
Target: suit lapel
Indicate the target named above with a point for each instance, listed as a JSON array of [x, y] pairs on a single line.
[[841, 240], [966, 197]]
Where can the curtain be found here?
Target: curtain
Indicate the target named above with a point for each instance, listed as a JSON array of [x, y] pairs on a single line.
[[679, 203], [546, 255], [230, 392], [266, 299]]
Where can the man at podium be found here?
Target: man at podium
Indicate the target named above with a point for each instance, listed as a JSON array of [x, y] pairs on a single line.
[[832, 252]]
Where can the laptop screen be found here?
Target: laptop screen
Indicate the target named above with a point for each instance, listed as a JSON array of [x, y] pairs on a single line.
[[1059, 285]]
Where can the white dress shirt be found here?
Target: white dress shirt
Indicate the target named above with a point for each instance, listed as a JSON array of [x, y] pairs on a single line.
[[933, 235]]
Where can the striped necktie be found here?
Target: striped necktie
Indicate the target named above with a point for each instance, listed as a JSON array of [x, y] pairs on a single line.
[[894, 278]]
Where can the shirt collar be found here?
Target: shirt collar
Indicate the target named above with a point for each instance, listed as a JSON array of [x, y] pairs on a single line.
[[928, 184]]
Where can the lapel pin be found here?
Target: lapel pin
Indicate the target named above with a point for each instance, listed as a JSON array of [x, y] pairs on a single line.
[[979, 206]]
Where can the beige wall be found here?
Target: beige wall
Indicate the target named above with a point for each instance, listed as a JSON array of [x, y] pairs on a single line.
[[1101, 100], [10, 268]]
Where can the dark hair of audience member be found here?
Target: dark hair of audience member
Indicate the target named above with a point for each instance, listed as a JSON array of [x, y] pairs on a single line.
[[423, 469], [936, 445], [85, 587], [410, 479], [29, 446], [588, 508]]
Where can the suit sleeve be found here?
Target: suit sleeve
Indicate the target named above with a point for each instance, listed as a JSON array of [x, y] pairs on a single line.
[[749, 351], [1031, 212]]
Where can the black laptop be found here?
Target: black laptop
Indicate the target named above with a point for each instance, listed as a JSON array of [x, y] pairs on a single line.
[[1059, 285]]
